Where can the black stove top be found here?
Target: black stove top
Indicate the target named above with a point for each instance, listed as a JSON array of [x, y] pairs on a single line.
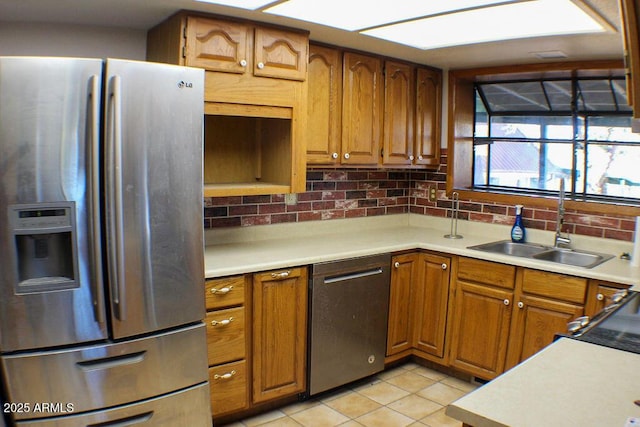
[[620, 328]]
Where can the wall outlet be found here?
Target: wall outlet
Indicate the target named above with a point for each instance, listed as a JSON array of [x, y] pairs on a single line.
[[433, 194], [290, 199]]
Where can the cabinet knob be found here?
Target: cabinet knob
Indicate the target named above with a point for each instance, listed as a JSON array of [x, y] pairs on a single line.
[[224, 376], [260, 65], [600, 297], [444, 266], [224, 322], [411, 158], [506, 301], [419, 157], [334, 156], [520, 304], [221, 291], [396, 264], [243, 62], [346, 155]]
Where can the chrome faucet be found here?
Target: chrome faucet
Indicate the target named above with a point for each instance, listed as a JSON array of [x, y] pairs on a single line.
[[560, 240]]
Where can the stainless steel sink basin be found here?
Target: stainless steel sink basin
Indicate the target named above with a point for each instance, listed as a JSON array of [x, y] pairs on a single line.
[[573, 257], [507, 247]]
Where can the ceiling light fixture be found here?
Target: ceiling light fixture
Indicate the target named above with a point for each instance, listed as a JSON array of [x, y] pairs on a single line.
[[503, 22], [242, 4], [354, 15]]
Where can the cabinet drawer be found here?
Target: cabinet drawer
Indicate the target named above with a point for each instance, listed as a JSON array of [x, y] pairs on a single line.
[[229, 387], [553, 285], [226, 335], [224, 292], [486, 272]]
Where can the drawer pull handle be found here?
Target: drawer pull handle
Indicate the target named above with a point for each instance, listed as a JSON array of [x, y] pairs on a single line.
[[224, 322], [282, 275], [224, 376], [111, 362], [221, 291]]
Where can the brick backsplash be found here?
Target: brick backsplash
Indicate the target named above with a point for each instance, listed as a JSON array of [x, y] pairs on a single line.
[[347, 193]]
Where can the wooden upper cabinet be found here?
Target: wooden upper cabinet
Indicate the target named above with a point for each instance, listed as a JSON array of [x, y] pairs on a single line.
[[399, 102], [280, 54], [428, 107], [324, 105], [225, 46], [362, 109], [630, 15], [217, 45]]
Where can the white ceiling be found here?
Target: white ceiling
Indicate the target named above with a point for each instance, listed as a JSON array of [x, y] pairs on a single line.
[[143, 14]]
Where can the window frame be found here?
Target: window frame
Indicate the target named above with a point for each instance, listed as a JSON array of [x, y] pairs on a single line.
[[460, 113]]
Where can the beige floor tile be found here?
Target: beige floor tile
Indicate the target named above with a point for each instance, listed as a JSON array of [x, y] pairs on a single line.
[[465, 386], [282, 422], [335, 394], [440, 419], [417, 424], [353, 405], [385, 375], [384, 417], [441, 393], [383, 392], [415, 407], [263, 418], [429, 373], [351, 423], [320, 416], [410, 381], [299, 406]]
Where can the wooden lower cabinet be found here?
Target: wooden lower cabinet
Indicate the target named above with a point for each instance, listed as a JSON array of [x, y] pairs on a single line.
[[279, 309], [599, 295], [418, 304], [228, 387]]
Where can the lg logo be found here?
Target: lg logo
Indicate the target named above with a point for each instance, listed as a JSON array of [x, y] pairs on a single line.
[[182, 84]]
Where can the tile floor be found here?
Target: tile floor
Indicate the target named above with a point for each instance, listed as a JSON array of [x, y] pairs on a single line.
[[407, 395]]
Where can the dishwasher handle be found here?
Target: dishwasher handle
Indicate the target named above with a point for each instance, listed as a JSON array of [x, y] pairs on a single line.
[[352, 276]]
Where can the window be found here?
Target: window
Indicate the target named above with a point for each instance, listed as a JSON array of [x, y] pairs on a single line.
[[529, 134]]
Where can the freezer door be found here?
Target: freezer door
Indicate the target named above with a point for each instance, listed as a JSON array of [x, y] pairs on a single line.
[[100, 376], [154, 201], [184, 408], [50, 268]]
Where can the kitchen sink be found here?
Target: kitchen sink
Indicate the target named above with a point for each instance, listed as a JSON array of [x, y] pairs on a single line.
[[539, 252], [573, 257]]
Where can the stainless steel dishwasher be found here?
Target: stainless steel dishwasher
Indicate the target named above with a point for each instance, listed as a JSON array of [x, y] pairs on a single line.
[[349, 305]]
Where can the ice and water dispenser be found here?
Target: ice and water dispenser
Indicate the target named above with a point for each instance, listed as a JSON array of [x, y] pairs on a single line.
[[45, 246]]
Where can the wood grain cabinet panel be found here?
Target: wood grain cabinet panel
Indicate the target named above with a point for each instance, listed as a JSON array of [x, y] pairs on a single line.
[[226, 340], [229, 388], [404, 275], [224, 292], [324, 105], [279, 333], [280, 54], [399, 100], [362, 109], [428, 116], [630, 17]]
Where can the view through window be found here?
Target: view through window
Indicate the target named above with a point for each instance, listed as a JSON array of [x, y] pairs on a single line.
[[531, 134]]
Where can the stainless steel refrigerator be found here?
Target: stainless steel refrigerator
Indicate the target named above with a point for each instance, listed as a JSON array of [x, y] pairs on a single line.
[[101, 236]]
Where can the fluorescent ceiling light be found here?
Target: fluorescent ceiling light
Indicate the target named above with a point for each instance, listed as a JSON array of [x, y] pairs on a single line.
[[359, 14], [243, 4], [503, 22]]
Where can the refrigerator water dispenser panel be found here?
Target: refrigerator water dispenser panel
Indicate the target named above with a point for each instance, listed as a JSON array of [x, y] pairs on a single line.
[[45, 247]]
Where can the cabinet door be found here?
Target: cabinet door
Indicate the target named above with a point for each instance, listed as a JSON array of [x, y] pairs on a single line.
[[279, 333], [480, 329], [431, 292], [217, 45], [280, 54], [229, 387], [399, 98], [630, 14], [362, 109], [399, 330], [535, 323], [428, 113], [323, 105]]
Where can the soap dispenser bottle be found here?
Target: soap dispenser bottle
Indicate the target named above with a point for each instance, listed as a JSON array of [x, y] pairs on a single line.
[[517, 231]]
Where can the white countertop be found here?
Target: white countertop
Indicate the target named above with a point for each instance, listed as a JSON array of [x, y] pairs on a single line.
[[249, 249], [569, 383]]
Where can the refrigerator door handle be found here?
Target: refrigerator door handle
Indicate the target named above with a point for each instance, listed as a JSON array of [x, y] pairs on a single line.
[[115, 212], [125, 422], [93, 135]]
